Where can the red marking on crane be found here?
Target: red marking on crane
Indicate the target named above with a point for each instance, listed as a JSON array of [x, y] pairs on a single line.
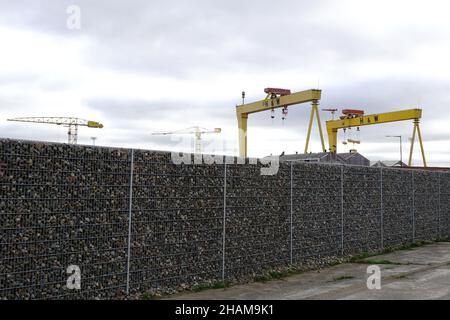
[[353, 111], [281, 92]]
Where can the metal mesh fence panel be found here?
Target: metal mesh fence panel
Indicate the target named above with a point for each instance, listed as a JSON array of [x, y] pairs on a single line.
[[257, 220], [317, 213], [397, 207], [176, 223], [133, 221], [362, 210], [62, 205], [445, 204], [426, 203]]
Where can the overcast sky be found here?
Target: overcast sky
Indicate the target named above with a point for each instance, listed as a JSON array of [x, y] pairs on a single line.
[[142, 66]]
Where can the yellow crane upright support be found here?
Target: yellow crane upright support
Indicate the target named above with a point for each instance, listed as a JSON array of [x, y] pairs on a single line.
[[273, 101], [70, 122], [411, 114]]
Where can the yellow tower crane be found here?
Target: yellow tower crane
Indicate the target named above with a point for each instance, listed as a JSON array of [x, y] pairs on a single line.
[[278, 98], [355, 119], [71, 123], [197, 131]]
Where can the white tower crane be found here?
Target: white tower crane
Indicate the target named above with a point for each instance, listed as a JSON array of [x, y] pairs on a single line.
[[69, 122], [197, 131]]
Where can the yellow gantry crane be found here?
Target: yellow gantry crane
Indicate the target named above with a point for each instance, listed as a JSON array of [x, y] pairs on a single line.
[[356, 119], [71, 123], [197, 131], [278, 98]]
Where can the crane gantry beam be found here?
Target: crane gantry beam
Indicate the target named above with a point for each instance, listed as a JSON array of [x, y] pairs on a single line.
[[411, 114], [273, 102], [70, 122]]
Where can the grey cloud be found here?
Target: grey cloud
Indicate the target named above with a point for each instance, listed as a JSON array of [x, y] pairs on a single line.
[[182, 39], [136, 136], [131, 109], [18, 79], [214, 36], [29, 131], [120, 111], [375, 96], [390, 94]]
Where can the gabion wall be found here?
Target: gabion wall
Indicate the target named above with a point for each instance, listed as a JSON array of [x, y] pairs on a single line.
[[317, 214], [62, 205], [134, 222]]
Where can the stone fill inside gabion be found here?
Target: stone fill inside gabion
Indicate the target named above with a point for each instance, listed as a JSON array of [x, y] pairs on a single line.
[[317, 213], [63, 205], [257, 220], [444, 208], [362, 208], [177, 223], [426, 206], [398, 215]]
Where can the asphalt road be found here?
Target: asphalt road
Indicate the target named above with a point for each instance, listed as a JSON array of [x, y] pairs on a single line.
[[420, 273]]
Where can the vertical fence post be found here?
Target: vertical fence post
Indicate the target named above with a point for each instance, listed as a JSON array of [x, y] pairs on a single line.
[[224, 217], [439, 205], [291, 217], [446, 207], [342, 210], [381, 209], [130, 209], [413, 209]]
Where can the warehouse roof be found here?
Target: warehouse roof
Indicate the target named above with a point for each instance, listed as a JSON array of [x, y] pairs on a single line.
[[388, 163], [345, 158], [307, 156]]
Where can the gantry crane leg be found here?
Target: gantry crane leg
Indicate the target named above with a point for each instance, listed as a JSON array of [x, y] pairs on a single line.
[[419, 134], [412, 145], [308, 135], [242, 127], [421, 144], [314, 110], [319, 123]]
